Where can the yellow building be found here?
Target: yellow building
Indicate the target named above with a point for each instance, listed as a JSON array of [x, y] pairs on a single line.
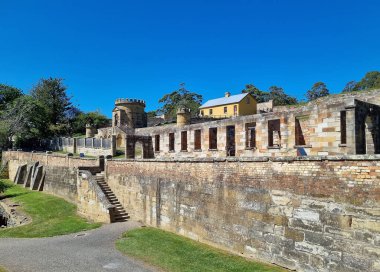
[[229, 105]]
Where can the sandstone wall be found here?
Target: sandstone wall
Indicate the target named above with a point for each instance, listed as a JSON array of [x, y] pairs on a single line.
[[92, 203], [309, 214], [61, 171]]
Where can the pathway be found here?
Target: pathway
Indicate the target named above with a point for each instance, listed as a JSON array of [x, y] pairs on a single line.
[[85, 251]]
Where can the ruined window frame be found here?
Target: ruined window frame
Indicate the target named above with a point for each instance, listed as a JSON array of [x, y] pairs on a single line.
[[247, 100], [225, 110], [171, 142], [157, 143], [250, 139], [197, 140], [235, 110], [270, 125], [184, 144], [213, 138], [210, 111], [343, 128], [299, 137]]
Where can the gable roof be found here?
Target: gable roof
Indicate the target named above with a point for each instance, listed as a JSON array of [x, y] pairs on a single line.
[[224, 100]]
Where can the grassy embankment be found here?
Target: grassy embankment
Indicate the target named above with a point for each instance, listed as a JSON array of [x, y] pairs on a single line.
[[176, 253], [50, 215]]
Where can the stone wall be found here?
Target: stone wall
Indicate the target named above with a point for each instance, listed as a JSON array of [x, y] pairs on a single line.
[[61, 171], [62, 179], [92, 203], [309, 214], [316, 128]]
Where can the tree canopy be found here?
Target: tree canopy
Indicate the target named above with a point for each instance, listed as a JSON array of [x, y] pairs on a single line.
[[178, 99], [275, 93], [318, 90], [94, 118], [8, 94]]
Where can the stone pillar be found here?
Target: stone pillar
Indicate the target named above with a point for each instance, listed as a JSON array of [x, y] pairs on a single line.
[[350, 130], [129, 147], [113, 145], [74, 145]]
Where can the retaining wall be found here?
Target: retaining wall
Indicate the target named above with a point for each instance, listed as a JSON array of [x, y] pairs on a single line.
[[309, 214]]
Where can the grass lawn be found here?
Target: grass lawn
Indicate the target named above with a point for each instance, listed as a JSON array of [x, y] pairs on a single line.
[[172, 252], [50, 215], [2, 269]]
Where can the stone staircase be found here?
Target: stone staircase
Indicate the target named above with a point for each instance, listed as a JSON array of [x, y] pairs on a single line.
[[120, 214]]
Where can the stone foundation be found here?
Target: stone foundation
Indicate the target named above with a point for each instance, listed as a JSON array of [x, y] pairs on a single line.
[[308, 214]]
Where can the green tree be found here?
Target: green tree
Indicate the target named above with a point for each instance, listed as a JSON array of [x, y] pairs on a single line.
[[51, 94], [25, 119], [178, 99], [350, 87], [8, 94], [259, 95], [318, 90], [371, 80], [280, 98], [151, 114], [94, 118]]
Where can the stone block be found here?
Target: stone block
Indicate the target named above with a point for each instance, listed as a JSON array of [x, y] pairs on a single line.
[[306, 215], [294, 234], [356, 262], [361, 224]]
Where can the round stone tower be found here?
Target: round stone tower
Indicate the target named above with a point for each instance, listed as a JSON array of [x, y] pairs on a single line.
[[183, 117], [130, 113], [90, 131]]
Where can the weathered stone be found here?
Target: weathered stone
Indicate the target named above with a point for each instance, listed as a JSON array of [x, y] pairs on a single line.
[[294, 235], [356, 262], [361, 224]]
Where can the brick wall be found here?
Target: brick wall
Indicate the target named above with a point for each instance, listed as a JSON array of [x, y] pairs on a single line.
[[309, 214]]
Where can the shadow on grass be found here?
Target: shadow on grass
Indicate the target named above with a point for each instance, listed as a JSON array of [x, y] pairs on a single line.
[[12, 195]]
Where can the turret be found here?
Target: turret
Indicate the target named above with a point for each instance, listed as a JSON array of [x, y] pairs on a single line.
[[130, 113], [90, 131], [183, 117]]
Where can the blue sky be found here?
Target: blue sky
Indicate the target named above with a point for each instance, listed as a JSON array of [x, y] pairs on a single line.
[[144, 49]]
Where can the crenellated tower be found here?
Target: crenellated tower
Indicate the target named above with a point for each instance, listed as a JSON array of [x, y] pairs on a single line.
[[129, 113]]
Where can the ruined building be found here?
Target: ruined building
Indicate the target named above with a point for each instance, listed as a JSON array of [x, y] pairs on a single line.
[[334, 125]]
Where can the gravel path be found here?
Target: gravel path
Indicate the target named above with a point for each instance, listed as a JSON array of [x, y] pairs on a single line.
[[85, 251]]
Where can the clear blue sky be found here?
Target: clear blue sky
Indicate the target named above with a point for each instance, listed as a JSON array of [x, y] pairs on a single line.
[[144, 49]]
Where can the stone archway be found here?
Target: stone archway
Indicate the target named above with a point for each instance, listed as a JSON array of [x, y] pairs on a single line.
[[144, 143]]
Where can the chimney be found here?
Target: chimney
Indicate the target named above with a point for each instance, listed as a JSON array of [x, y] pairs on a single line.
[[227, 94]]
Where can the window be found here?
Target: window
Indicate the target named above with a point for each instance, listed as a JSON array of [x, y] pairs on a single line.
[[247, 100], [197, 139], [343, 127], [250, 135], [225, 109], [213, 138], [157, 143], [299, 137], [202, 113], [210, 111], [171, 141], [235, 109], [184, 141], [274, 136]]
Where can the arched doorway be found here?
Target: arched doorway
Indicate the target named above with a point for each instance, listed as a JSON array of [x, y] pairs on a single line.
[[139, 150], [119, 141]]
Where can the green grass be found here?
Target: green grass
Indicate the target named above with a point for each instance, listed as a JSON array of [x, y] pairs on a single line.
[[50, 215], [2, 269], [172, 252], [75, 155]]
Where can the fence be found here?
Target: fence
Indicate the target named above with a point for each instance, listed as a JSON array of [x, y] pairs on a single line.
[[88, 146]]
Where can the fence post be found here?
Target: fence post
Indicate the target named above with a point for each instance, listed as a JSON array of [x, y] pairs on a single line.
[[74, 145]]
